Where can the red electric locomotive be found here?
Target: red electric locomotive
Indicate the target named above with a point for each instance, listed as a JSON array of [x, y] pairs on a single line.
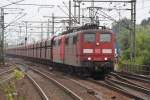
[[87, 50]]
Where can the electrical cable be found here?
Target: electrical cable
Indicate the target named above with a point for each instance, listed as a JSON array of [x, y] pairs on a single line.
[[71, 13], [110, 18], [15, 20], [12, 3]]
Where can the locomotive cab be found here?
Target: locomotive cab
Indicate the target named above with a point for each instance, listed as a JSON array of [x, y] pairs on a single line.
[[98, 50]]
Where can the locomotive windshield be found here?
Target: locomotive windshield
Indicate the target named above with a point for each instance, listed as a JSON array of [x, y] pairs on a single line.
[[105, 37], [89, 37]]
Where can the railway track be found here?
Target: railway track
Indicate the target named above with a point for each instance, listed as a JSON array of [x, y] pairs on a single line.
[[7, 71], [144, 86], [67, 82], [31, 90], [129, 85], [42, 93], [90, 87], [140, 78], [116, 87], [8, 75], [30, 79], [63, 93], [124, 87], [84, 91], [135, 91]]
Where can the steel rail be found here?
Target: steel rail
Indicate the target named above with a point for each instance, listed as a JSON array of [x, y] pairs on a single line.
[[42, 93], [7, 71], [124, 79], [135, 77], [30, 78], [108, 84], [44, 96], [7, 79], [67, 90], [137, 88], [76, 82]]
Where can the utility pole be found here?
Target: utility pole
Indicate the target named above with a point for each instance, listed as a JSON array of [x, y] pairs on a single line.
[[48, 29], [70, 21], [119, 30], [75, 11], [77, 4], [1, 36], [53, 22], [79, 11], [41, 31], [26, 23], [20, 33], [92, 11], [132, 32]]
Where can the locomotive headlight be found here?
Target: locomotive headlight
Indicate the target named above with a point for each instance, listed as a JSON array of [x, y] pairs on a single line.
[[97, 43], [89, 58], [105, 58]]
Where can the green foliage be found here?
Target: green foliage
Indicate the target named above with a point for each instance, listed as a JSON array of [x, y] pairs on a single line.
[[143, 45], [122, 34], [142, 42], [9, 89], [145, 22], [126, 54], [18, 74]]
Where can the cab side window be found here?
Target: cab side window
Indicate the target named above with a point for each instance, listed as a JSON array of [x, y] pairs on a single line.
[[74, 39], [54, 42], [66, 40], [59, 41]]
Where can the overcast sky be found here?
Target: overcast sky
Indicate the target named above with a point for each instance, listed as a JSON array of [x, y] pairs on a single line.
[[143, 8], [37, 13]]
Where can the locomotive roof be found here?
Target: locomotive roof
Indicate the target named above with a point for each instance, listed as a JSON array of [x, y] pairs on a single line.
[[84, 31], [97, 30], [85, 28]]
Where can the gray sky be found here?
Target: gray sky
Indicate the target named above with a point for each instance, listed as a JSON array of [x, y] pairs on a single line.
[[37, 13], [143, 9]]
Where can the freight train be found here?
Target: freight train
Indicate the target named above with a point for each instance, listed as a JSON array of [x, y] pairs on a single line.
[[88, 50]]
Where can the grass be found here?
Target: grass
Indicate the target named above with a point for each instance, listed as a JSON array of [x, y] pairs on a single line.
[[9, 87]]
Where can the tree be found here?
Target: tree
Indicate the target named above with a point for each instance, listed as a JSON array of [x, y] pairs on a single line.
[[142, 41]]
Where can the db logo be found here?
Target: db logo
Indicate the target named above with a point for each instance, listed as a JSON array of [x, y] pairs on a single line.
[[97, 50]]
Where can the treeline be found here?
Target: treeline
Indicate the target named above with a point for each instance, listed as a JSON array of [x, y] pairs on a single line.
[[142, 41]]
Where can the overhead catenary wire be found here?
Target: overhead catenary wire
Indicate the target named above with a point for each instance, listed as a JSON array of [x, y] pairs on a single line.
[[15, 8], [16, 20], [12, 3], [63, 10], [36, 5], [68, 10], [30, 4], [111, 18]]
